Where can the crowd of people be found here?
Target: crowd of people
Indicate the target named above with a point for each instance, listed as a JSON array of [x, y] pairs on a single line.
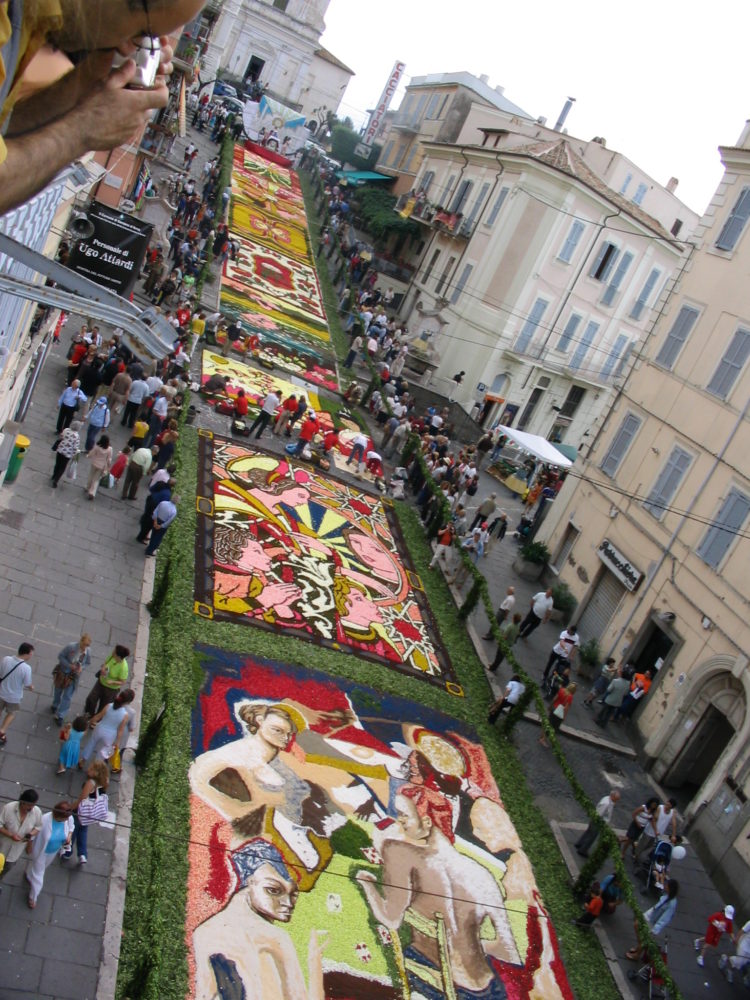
[[92, 741]]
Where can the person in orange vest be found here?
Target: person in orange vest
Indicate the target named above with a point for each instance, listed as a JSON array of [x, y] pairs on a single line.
[[638, 689]]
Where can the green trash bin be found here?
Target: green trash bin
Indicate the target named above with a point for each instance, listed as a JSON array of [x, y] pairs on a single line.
[[17, 456]]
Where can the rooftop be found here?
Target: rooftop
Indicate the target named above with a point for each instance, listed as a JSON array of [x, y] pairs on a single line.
[[492, 95], [333, 60]]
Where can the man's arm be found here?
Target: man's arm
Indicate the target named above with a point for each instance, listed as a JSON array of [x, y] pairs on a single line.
[[106, 119]]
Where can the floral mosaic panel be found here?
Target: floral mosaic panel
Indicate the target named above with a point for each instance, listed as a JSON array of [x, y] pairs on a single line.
[[349, 844]]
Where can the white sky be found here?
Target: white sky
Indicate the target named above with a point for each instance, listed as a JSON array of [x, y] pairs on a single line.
[[664, 82]]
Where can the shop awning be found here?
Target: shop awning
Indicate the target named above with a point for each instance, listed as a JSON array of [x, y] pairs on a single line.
[[537, 446], [569, 450], [360, 176]]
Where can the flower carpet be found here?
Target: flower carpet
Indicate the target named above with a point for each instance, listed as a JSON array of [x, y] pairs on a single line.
[[274, 274], [346, 843], [257, 383], [282, 547]]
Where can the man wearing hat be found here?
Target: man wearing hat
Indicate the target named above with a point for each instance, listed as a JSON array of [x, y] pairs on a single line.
[[718, 923]]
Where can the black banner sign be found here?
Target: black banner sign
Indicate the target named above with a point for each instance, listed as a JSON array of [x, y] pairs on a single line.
[[114, 254]]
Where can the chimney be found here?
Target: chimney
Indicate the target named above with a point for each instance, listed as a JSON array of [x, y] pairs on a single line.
[[500, 90], [672, 185], [484, 78], [564, 113]]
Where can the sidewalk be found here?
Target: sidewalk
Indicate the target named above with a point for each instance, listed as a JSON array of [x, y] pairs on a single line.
[[600, 760], [70, 566]]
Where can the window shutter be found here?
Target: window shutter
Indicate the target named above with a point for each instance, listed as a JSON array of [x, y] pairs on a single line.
[[611, 290], [432, 106], [582, 350], [626, 183], [679, 333], [640, 194], [620, 444], [461, 283], [732, 229], [502, 195], [613, 355], [567, 335], [732, 515], [731, 365], [478, 203], [576, 230], [448, 188], [604, 262], [427, 180], [461, 195], [532, 322], [642, 301], [668, 482]]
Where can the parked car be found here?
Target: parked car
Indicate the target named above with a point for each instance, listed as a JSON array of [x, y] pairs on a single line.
[[233, 105], [222, 89]]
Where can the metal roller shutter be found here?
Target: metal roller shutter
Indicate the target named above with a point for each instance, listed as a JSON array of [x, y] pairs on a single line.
[[605, 597]]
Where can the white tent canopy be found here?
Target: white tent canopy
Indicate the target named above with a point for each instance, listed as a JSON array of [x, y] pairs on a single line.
[[537, 446]]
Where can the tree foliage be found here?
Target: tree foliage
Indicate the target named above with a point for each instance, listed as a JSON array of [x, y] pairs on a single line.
[[343, 142], [376, 210]]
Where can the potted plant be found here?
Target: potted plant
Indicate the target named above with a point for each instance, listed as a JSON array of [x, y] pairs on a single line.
[[564, 603], [589, 658], [531, 560]]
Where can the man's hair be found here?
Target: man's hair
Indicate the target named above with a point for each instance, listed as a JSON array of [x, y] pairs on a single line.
[[25, 648], [29, 795]]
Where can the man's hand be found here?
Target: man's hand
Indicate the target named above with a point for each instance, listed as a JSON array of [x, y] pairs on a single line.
[[113, 114]]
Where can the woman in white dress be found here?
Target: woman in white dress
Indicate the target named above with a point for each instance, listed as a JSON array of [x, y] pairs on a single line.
[[56, 832]]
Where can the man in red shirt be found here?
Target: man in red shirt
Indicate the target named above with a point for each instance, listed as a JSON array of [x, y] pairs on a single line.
[[330, 440], [444, 545], [718, 923], [287, 410], [307, 432]]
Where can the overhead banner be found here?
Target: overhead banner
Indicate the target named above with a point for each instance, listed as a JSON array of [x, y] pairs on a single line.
[[113, 255], [376, 118]]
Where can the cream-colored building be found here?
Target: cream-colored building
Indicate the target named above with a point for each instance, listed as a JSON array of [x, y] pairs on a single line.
[[277, 43], [435, 108], [651, 533], [538, 276]]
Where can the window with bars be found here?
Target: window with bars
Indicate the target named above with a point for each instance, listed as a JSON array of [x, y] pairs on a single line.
[[668, 482], [495, 211], [731, 365], [592, 328], [569, 332], [679, 332], [617, 279], [605, 261], [735, 224], [444, 276], [724, 528], [461, 283], [645, 294], [614, 354], [573, 238], [621, 442], [530, 326]]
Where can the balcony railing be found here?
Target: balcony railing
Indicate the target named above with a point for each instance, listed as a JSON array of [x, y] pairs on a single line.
[[407, 122], [452, 223]]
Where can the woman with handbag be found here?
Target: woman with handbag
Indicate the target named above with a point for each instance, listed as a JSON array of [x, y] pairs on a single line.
[[91, 806], [559, 709], [66, 447], [109, 727], [71, 660], [55, 835], [100, 457]]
